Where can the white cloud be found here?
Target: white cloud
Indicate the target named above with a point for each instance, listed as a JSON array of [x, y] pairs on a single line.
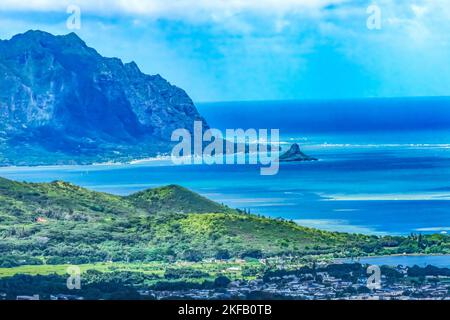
[[206, 9], [419, 11], [221, 10]]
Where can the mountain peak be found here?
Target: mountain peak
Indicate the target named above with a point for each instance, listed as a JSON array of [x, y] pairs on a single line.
[[174, 198], [33, 34], [295, 154], [37, 40], [58, 86], [132, 67], [73, 37], [30, 36], [39, 34]]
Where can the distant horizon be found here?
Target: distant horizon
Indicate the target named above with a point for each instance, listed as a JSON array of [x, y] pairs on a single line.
[[330, 99], [299, 99], [336, 115]]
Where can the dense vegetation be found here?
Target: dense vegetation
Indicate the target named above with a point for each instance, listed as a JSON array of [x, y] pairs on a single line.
[[59, 223], [118, 284]]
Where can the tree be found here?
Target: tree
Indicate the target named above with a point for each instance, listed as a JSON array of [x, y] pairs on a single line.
[[223, 254], [221, 282]]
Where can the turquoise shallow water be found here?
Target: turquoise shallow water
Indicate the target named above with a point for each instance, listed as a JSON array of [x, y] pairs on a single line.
[[407, 261], [367, 188], [372, 177]]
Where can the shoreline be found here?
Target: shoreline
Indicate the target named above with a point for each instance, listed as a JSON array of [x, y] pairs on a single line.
[[397, 255], [405, 255], [287, 141]]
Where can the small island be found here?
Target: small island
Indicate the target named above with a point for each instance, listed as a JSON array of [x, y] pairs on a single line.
[[294, 154]]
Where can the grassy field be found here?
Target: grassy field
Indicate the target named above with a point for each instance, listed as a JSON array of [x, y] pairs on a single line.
[[232, 270]]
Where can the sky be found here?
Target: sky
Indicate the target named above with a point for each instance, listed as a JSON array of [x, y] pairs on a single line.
[[235, 50]]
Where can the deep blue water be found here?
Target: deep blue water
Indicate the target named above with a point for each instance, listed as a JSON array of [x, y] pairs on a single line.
[[370, 181], [339, 116]]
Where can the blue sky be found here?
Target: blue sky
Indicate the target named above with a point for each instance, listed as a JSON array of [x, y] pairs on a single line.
[[229, 50]]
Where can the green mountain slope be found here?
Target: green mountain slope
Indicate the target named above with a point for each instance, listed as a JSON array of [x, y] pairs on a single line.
[[59, 223], [25, 202], [174, 199]]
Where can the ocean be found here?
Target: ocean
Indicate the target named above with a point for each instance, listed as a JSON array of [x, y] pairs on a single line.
[[384, 168], [404, 260]]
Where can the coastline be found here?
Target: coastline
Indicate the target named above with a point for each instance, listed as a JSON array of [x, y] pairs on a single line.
[[285, 198], [403, 255], [378, 260]]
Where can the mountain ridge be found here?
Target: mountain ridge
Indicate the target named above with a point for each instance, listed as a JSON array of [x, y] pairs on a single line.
[[99, 108], [61, 223]]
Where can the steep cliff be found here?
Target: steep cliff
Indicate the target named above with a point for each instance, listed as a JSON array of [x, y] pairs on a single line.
[[62, 101]]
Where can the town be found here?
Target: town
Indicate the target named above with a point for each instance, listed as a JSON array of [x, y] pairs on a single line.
[[323, 286], [314, 281], [327, 282]]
